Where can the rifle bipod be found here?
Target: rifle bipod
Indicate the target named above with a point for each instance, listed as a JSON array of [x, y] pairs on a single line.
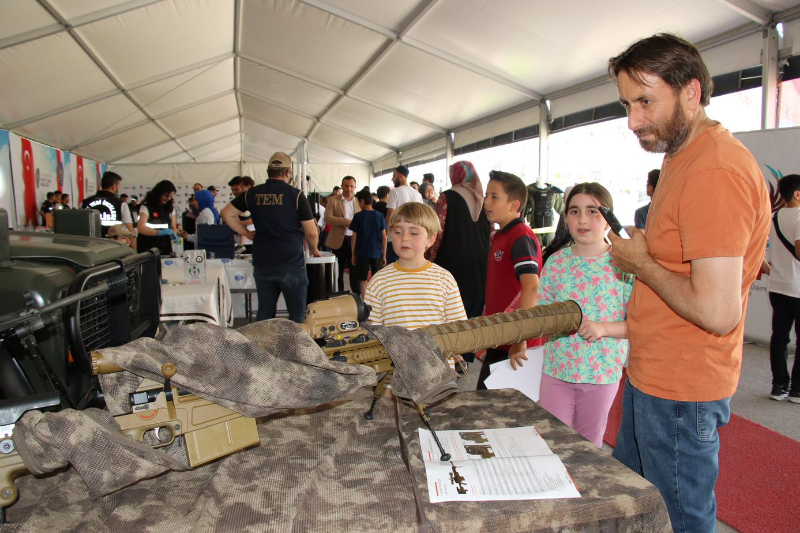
[[379, 388], [421, 409]]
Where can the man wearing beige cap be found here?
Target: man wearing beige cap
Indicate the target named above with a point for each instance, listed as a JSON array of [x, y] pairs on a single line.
[[282, 217], [120, 233]]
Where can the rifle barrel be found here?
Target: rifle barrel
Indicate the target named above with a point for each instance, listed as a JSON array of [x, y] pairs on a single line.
[[465, 336]]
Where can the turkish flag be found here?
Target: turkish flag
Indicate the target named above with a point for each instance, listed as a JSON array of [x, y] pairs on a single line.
[[80, 181], [28, 178]]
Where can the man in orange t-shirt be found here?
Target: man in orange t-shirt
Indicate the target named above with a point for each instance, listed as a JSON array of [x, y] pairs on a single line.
[[705, 240]]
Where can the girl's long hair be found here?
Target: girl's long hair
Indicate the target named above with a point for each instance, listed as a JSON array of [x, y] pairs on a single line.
[[153, 197], [563, 238]]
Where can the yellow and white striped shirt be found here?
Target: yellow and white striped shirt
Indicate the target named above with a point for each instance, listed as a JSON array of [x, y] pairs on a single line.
[[414, 298]]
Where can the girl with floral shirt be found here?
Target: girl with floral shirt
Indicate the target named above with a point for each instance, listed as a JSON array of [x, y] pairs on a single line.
[[582, 370]]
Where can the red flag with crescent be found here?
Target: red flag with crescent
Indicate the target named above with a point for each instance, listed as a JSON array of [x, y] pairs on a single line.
[[80, 181], [29, 180]]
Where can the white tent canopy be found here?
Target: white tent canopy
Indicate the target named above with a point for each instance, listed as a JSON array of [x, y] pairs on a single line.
[[367, 83]]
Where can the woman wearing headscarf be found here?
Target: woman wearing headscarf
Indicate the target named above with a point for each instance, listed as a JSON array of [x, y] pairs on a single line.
[[207, 213], [462, 247]]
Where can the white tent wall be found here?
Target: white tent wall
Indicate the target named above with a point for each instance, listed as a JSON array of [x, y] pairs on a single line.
[[217, 174], [425, 150], [485, 130], [728, 57], [196, 81], [323, 176], [386, 164], [791, 37], [138, 179]]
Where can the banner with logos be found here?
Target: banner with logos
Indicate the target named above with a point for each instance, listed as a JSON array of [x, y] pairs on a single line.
[[777, 155], [6, 185], [34, 169], [29, 170]]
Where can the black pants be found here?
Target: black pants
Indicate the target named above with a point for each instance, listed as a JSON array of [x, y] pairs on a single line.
[[785, 313], [493, 355], [343, 255]]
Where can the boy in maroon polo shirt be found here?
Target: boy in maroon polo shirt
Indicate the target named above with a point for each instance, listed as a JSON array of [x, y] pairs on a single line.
[[513, 264]]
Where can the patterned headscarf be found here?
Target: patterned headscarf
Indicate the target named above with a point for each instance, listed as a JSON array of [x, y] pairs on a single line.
[[466, 183], [205, 199]]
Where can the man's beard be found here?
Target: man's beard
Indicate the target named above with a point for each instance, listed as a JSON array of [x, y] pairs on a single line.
[[669, 135]]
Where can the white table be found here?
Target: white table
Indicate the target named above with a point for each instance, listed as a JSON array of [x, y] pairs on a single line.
[[209, 302], [243, 286]]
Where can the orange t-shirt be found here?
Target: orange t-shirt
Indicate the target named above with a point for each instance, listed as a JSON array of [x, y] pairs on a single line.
[[711, 201]]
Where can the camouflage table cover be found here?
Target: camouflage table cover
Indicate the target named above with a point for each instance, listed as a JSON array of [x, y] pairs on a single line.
[[328, 470]]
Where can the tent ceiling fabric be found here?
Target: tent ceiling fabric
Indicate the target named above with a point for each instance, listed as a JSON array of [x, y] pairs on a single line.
[[188, 81]]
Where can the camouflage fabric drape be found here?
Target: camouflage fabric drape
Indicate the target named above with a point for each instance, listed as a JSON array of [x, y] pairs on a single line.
[[327, 469], [258, 370]]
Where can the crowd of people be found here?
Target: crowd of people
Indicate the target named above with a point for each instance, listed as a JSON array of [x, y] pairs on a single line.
[[666, 298]]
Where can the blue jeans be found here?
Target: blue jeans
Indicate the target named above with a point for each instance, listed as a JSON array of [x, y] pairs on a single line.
[[272, 281], [675, 446]]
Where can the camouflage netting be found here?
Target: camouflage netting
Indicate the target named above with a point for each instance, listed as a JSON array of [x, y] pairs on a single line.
[[327, 469], [421, 373], [90, 440], [258, 370]]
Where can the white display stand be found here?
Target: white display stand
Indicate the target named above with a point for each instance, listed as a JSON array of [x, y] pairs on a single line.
[[776, 149]]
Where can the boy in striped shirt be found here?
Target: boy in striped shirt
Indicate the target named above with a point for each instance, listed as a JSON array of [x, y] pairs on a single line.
[[413, 292]]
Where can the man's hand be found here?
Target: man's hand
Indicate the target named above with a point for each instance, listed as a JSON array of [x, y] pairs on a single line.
[[250, 234], [353, 260], [630, 254], [315, 252], [516, 354], [383, 261], [592, 331]]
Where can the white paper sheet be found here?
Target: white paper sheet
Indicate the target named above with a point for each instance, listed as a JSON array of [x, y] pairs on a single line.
[[494, 464], [525, 379]]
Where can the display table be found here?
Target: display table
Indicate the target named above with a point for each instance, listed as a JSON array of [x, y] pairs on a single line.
[[329, 470], [209, 302], [322, 273]]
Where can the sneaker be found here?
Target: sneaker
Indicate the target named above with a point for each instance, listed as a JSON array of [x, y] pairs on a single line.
[[780, 392], [794, 396]]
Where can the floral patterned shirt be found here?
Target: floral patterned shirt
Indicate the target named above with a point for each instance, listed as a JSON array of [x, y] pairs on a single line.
[[602, 290]]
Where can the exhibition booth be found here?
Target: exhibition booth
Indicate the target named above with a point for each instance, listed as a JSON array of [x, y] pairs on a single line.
[[214, 421]]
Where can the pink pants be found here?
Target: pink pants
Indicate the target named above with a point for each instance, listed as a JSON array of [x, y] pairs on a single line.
[[582, 406]]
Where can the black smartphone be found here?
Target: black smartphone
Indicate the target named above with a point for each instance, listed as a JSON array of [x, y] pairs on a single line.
[[616, 227]]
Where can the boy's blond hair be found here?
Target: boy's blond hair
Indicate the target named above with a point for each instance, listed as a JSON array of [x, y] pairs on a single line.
[[418, 214]]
